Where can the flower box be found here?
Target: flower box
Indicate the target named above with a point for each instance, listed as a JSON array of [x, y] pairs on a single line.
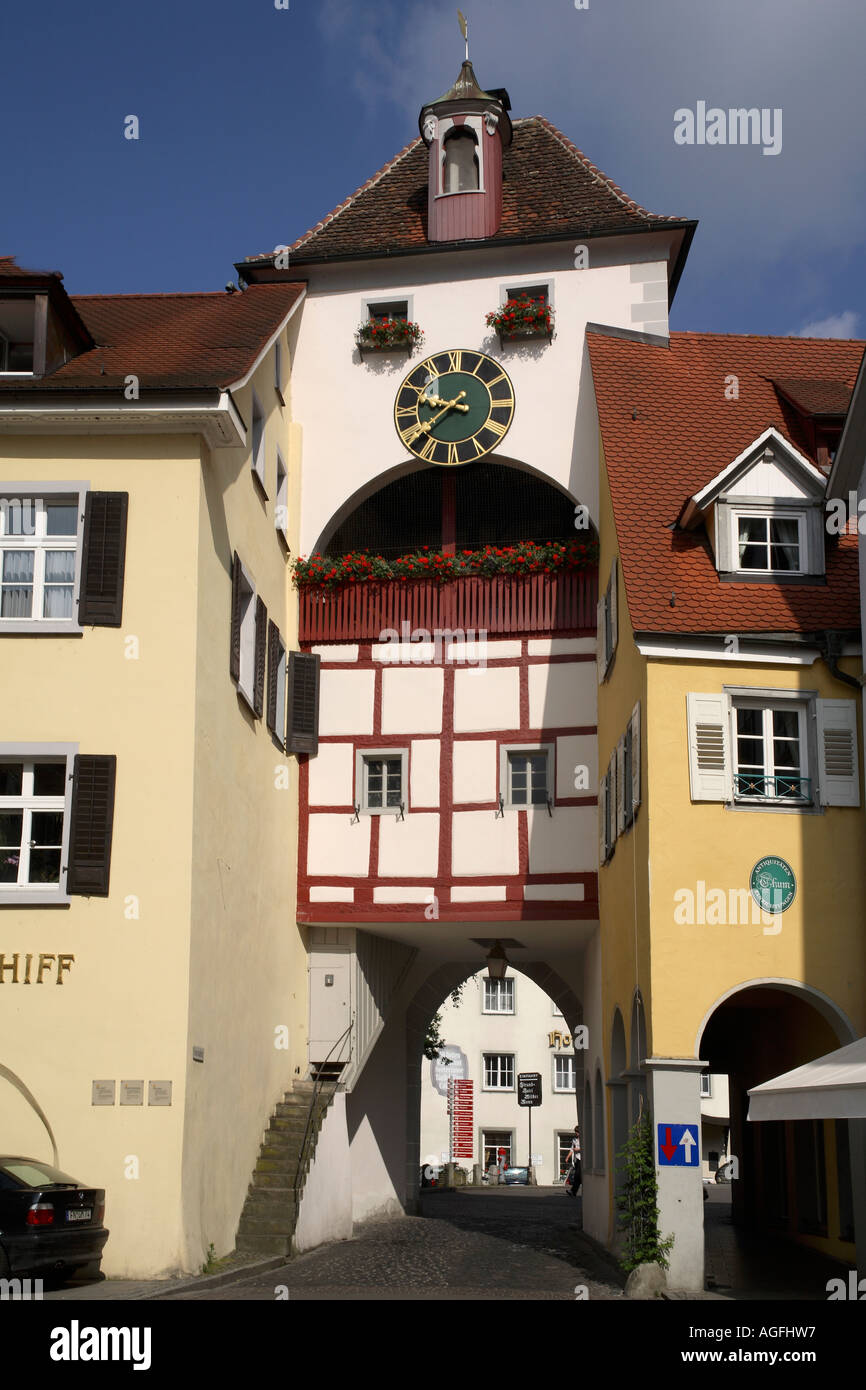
[[522, 318], [388, 335]]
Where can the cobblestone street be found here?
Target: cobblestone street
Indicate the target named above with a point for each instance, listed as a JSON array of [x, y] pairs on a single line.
[[505, 1243]]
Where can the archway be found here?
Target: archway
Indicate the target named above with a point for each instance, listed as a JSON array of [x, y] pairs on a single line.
[[527, 1022], [790, 1179], [618, 1086]]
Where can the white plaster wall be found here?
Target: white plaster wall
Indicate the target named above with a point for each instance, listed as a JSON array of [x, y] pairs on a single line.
[[565, 841], [483, 844], [563, 694], [412, 701], [561, 646], [338, 848], [346, 702], [525, 1034], [475, 769], [573, 751], [424, 772], [408, 848], [326, 1203], [452, 292], [331, 774], [486, 699]]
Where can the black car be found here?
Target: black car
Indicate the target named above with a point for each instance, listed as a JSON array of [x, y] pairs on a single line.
[[48, 1221]]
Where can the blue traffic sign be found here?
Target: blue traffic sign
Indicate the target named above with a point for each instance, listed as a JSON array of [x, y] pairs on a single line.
[[678, 1146]]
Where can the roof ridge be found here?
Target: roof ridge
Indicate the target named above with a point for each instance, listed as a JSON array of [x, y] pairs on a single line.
[[599, 174], [341, 207], [759, 337]]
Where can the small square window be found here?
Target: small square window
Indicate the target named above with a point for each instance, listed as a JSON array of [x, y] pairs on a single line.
[[40, 550], [541, 292], [527, 776], [498, 1071], [706, 1085], [498, 996], [381, 781], [34, 816], [770, 544], [393, 309]]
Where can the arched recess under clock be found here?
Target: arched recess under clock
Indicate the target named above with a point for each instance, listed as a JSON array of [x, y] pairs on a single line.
[[488, 502]]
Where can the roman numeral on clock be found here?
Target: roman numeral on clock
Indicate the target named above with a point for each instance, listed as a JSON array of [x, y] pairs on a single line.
[[495, 428], [428, 451], [455, 361]]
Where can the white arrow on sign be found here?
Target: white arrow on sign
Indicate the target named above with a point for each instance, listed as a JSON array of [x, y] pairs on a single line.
[[688, 1143]]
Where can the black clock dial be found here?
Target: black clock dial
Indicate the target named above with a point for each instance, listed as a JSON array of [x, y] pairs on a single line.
[[454, 407]]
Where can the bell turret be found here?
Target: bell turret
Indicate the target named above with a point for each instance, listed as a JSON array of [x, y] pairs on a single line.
[[466, 131]]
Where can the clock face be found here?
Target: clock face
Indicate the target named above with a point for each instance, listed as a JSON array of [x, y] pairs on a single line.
[[454, 407]]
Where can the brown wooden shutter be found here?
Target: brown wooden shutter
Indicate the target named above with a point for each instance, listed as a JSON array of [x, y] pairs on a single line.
[[274, 646], [235, 648], [261, 655], [303, 723], [103, 559], [91, 825]]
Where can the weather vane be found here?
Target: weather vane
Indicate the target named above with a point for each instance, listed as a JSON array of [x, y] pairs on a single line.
[[464, 29]]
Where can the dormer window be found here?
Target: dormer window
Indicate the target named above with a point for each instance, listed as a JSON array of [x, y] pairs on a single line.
[[769, 543], [16, 334], [461, 171]]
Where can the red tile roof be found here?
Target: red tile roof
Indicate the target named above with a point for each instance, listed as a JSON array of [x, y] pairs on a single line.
[[816, 397], [169, 341], [667, 430], [550, 189]]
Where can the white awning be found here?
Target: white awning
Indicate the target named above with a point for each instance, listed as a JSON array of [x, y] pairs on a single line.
[[830, 1088]]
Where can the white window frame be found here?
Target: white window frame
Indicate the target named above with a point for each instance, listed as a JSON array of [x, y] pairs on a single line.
[[499, 1071], [806, 717], [281, 498], [247, 667], [362, 756], [706, 1086], [768, 514], [508, 980], [40, 894], [40, 492], [508, 290], [555, 1060], [258, 440], [383, 301], [549, 749]]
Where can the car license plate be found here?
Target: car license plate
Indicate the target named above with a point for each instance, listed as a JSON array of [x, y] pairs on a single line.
[[79, 1214]]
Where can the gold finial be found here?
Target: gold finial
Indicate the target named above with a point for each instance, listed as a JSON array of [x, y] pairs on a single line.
[[464, 29]]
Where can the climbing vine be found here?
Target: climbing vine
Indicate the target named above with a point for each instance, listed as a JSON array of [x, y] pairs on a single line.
[[638, 1201], [433, 1039]]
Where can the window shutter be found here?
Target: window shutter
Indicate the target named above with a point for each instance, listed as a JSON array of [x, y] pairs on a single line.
[[103, 559], [611, 803], [91, 824], [613, 611], [634, 734], [603, 797], [261, 658], [601, 638], [837, 753], [303, 722], [709, 747], [235, 648], [620, 786], [274, 645]]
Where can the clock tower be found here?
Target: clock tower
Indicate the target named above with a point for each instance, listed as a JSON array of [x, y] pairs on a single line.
[[465, 131]]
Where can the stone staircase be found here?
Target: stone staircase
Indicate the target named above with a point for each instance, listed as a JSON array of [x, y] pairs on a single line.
[[270, 1212]]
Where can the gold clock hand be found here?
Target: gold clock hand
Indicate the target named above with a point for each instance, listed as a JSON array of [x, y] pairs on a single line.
[[428, 424]]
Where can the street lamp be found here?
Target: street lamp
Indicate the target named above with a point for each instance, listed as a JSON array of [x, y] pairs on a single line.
[[497, 962]]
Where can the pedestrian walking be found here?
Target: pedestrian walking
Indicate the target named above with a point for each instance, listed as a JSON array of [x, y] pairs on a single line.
[[573, 1176]]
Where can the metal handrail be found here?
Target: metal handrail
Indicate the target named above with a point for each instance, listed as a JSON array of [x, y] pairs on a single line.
[[796, 786], [317, 1090]]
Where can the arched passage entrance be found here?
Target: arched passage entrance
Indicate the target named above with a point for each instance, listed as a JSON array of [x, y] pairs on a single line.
[[792, 1179]]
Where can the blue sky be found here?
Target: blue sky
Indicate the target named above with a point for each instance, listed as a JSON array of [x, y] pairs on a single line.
[[255, 122]]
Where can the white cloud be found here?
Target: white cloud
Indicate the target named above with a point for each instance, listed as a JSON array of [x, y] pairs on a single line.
[[842, 325]]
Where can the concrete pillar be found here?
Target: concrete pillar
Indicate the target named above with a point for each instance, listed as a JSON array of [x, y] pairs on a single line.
[[476, 1175], [675, 1099]]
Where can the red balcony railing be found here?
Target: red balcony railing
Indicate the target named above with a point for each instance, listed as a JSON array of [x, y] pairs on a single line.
[[504, 603]]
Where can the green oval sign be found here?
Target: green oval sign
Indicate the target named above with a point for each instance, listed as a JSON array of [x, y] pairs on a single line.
[[773, 884]]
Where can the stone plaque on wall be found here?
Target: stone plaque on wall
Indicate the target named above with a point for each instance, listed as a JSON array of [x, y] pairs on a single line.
[[132, 1092], [159, 1093], [102, 1092]]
